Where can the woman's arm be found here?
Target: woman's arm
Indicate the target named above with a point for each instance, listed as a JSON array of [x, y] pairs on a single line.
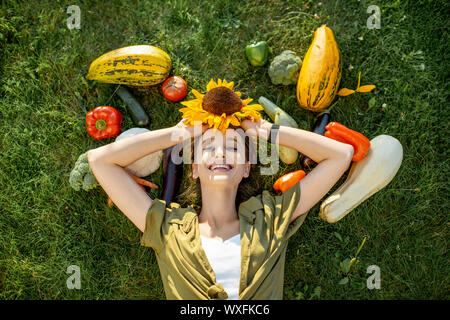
[[108, 163], [333, 159]]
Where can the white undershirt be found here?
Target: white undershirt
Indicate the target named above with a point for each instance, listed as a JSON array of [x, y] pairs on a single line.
[[225, 260]]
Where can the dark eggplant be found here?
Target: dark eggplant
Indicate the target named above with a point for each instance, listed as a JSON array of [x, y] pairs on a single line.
[[172, 177], [319, 128]]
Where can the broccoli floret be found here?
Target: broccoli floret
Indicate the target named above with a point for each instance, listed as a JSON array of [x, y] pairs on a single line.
[[81, 175], [75, 179], [89, 181], [284, 68]]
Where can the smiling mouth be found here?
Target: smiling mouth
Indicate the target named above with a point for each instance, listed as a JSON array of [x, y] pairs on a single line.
[[220, 167]]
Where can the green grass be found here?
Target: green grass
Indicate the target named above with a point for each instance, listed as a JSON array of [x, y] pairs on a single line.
[[45, 226]]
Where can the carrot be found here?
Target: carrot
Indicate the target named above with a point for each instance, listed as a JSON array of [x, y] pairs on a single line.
[[287, 181], [141, 182], [110, 202]]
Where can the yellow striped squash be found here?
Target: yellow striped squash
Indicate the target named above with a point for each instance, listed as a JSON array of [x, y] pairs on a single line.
[[138, 66], [320, 75]]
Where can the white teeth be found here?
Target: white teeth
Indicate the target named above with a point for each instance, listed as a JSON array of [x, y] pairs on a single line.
[[224, 166]]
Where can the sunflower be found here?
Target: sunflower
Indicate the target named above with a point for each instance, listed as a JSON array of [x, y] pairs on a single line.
[[219, 107]]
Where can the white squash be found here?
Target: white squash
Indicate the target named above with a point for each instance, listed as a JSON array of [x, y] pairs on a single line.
[[365, 178], [146, 165]]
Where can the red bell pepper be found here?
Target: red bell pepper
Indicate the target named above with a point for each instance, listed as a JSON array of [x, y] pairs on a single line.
[[341, 133], [103, 122], [288, 180]]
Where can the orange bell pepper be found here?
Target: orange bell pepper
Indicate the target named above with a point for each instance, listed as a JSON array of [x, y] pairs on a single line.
[[341, 133], [288, 180]]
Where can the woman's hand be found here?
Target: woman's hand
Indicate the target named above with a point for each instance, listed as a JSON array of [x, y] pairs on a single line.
[[258, 127], [193, 131]]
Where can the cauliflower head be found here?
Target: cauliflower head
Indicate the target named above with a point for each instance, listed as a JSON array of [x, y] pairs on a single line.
[[284, 68], [81, 176]]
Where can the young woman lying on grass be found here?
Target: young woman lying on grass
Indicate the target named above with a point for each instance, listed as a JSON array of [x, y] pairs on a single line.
[[221, 252]]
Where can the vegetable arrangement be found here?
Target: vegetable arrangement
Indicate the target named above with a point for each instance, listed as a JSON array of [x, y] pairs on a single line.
[[317, 82], [317, 85]]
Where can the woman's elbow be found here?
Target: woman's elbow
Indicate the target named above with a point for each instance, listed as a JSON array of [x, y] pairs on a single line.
[[347, 154], [92, 157]]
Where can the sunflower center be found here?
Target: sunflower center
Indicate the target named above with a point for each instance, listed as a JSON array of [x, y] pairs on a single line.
[[220, 100]]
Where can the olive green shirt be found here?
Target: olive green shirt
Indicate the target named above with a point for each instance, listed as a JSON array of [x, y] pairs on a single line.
[[173, 233]]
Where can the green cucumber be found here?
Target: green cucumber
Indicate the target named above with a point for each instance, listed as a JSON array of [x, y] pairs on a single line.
[[140, 118]]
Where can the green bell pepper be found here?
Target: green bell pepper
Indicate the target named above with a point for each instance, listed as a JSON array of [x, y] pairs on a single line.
[[258, 53]]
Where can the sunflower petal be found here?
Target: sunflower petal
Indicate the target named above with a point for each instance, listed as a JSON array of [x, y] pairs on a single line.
[[211, 85], [247, 101], [197, 94], [219, 82], [239, 114], [238, 93], [235, 121], [254, 107], [190, 103], [345, 92], [184, 109], [366, 88], [227, 122], [217, 122], [229, 85]]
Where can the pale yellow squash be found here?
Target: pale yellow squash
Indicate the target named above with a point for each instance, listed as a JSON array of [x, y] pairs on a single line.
[[366, 177]]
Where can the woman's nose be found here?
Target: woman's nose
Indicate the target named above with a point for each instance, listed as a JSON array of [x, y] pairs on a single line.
[[219, 152]]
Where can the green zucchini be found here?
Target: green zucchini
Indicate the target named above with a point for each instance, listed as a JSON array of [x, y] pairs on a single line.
[[140, 118], [280, 117]]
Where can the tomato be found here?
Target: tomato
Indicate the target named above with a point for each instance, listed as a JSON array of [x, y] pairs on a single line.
[[174, 89]]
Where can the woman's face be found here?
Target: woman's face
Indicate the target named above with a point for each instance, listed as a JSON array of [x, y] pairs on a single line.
[[220, 159]]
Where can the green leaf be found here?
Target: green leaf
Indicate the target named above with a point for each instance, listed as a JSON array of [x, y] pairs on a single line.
[[317, 291], [343, 281], [337, 235], [372, 102], [345, 266]]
